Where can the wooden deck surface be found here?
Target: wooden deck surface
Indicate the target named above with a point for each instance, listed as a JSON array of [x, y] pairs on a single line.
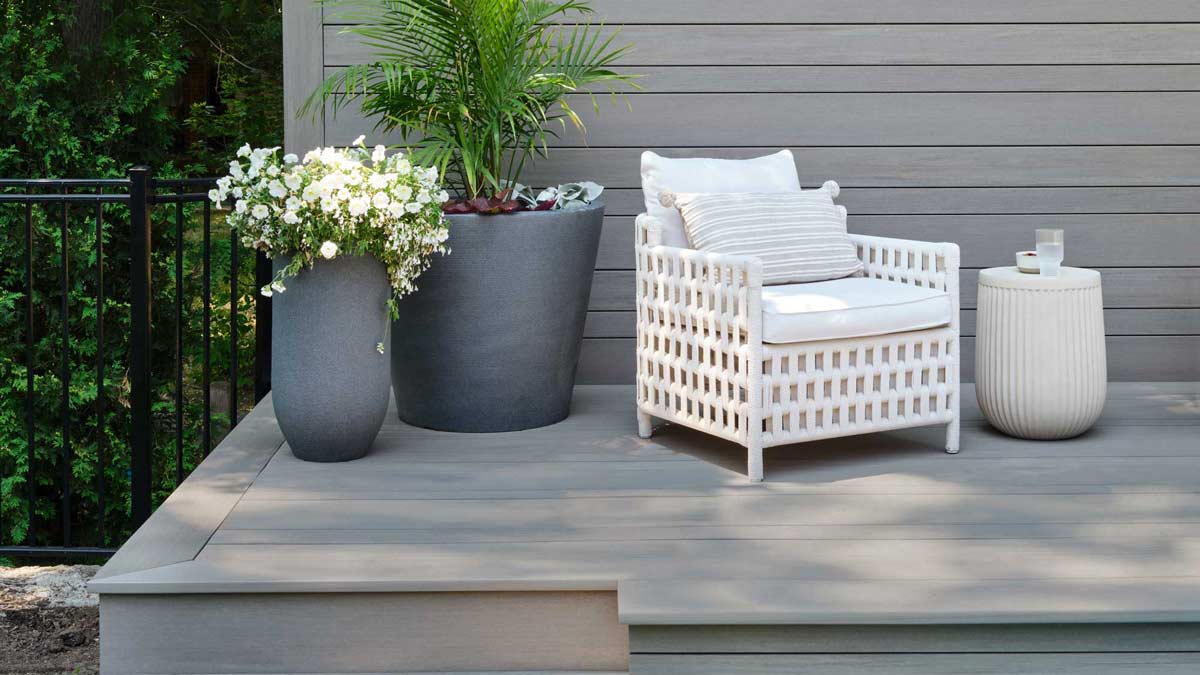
[[1104, 527]]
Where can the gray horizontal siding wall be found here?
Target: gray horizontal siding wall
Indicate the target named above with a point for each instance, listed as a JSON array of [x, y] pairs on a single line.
[[972, 121]]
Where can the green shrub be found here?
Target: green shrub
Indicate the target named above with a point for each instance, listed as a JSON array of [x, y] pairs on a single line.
[[174, 85]]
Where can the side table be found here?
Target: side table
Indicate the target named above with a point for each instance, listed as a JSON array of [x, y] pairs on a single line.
[[1040, 369]]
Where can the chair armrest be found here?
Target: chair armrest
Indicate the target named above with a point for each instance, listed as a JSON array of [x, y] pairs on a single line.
[[916, 263], [696, 292]]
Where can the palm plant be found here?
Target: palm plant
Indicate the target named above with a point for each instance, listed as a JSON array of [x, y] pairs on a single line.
[[475, 87]]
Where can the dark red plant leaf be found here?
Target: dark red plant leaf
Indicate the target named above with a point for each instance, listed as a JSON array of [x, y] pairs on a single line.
[[456, 207], [510, 206], [480, 205], [545, 206]]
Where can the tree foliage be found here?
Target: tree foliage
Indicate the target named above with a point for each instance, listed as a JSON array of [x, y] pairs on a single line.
[[92, 88]]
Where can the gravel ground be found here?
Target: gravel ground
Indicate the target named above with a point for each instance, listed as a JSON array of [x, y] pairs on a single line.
[[49, 623]]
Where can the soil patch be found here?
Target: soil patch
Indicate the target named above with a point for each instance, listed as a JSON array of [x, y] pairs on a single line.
[[49, 623]]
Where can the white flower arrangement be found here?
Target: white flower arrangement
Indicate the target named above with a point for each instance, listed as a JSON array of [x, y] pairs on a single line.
[[334, 202]]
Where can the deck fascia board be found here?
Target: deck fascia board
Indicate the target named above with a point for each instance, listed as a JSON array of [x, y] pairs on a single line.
[[181, 527]]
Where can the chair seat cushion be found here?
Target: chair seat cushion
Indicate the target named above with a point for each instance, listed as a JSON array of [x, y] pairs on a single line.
[[848, 308]]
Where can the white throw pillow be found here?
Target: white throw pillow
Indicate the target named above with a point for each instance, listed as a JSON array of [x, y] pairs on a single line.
[[799, 236], [772, 173]]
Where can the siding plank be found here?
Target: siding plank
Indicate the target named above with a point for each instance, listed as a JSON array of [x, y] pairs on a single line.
[[876, 44], [912, 201], [815, 79], [925, 167], [885, 11], [1121, 118], [1124, 288], [986, 241]]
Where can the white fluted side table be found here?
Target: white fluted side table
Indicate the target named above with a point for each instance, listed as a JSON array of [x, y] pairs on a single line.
[[1040, 369]]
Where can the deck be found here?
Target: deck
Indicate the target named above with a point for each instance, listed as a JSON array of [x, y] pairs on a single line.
[[580, 547]]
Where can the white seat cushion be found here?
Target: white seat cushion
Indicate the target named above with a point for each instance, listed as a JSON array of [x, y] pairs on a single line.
[[773, 173], [847, 308]]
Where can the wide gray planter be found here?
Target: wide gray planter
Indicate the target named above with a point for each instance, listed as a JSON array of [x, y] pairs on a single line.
[[491, 338], [329, 383]]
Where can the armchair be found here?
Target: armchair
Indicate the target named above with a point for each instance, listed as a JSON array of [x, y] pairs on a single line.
[[703, 362]]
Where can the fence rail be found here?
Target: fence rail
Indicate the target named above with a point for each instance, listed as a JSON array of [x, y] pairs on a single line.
[[141, 193]]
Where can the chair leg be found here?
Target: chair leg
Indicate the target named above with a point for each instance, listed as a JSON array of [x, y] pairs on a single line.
[[645, 424], [952, 436], [754, 460]]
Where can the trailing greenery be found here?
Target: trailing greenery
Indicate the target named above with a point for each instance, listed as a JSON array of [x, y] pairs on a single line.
[[477, 86], [92, 88]]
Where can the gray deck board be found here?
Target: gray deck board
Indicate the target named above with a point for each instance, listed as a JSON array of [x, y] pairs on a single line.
[[1101, 527]]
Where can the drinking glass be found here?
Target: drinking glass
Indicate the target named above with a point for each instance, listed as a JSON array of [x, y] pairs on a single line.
[[1049, 251]]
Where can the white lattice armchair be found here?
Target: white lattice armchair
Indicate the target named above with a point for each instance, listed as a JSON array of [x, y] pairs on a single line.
[[764, 367]]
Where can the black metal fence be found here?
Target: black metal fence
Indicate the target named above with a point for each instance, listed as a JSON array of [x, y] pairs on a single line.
[[141, 193]]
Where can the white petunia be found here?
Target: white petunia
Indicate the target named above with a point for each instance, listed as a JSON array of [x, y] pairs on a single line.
[[266, 291], [278, 286], [293, 203], [361, 140], [293, 181], [358, 206], [272, 170], [377, 181], [412, 207], [276, 189], [240, 207], [403, 193], [235, 169], [328, 204], [379, 154], [443, 197], [311, 192], [381, 200], [329, 249], [395, 209], [423, 197], [214, 196], [291, 217], [290, 158], [244, 151], [260, 211]]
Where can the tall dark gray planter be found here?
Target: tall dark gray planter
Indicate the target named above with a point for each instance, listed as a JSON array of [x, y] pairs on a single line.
[[329, 383], [491, 338]]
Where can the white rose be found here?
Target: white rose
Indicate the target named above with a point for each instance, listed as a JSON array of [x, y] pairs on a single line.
[[260, 211], [329, 249], [381, 200]]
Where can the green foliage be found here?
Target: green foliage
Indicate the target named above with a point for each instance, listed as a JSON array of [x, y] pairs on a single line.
[[479, 85], [89, 94]]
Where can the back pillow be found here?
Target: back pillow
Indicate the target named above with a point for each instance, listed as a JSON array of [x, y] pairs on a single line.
[[799, 236], [772, 173]]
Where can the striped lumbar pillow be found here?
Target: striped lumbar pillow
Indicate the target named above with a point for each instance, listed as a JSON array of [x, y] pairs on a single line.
[[799, 236]]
